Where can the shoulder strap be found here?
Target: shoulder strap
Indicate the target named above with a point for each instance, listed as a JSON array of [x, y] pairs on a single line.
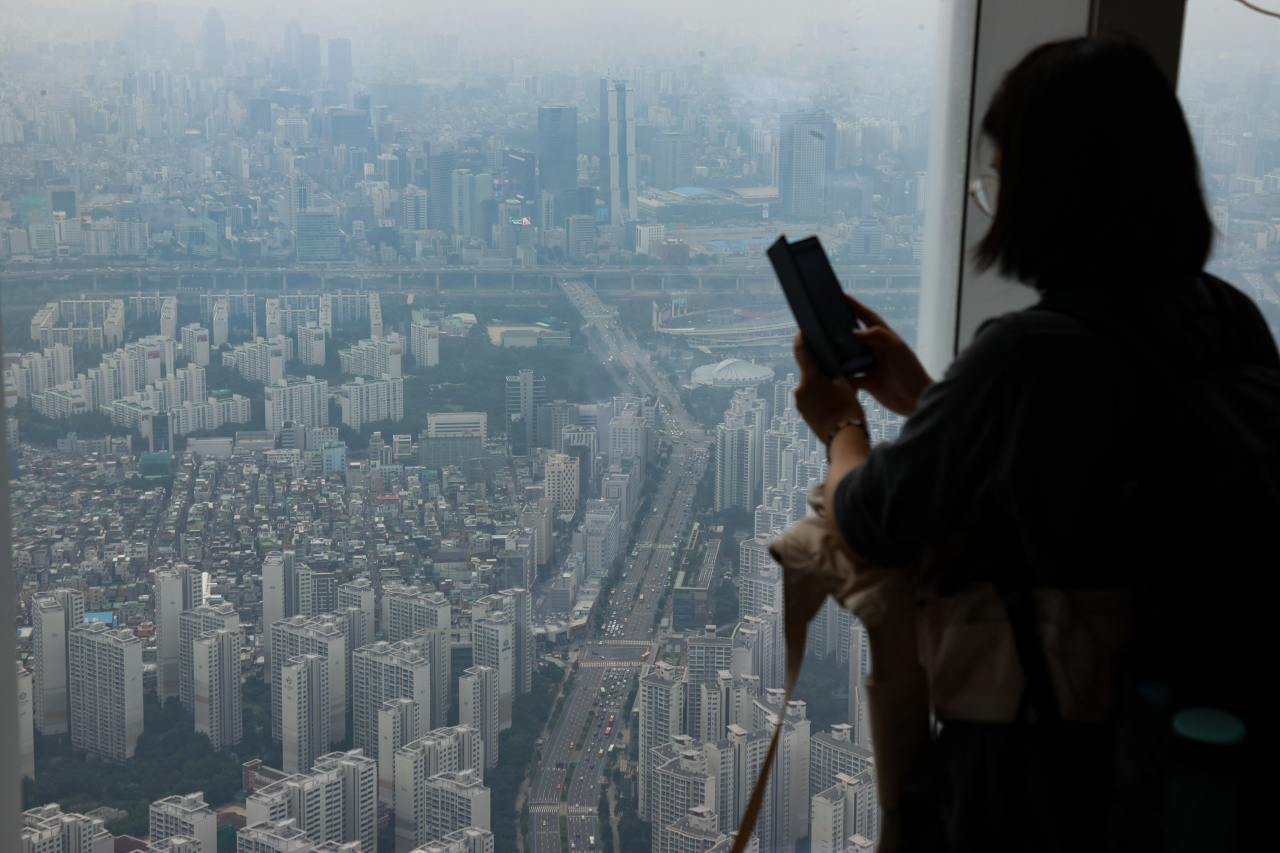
[[796, 634]]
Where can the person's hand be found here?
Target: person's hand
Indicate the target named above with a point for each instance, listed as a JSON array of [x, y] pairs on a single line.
[[823, 402], [899, 378]]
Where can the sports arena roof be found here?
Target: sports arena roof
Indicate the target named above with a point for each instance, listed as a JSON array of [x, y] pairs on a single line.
[[732, 372]]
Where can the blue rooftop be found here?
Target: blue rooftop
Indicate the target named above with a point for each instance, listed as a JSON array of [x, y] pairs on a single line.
[[688, 191]]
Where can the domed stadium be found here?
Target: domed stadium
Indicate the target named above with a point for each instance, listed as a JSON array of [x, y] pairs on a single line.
[[731, 373]]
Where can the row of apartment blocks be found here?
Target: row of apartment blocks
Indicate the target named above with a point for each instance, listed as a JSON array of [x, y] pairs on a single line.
[[80, 322], [325, 811]]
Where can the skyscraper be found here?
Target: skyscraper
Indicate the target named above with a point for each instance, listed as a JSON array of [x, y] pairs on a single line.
[[525, 393], [804, 142], [440, 165], [558, 155], [671, 159], [187, 816], [309, 56], [106, 690], [417, 766], [215, 43], [517, 605], [340, 62], [618, 149]]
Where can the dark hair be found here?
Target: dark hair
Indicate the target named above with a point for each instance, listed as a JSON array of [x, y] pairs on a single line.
[[1077, 123]]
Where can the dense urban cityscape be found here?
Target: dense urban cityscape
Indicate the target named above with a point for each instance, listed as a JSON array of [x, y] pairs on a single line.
[[365, 379]]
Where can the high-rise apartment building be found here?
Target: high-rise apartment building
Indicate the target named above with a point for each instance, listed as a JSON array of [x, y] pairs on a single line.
[[424, 343], [478, 708], [561, 481], [311, 344], [439, 751], [368, 401], [739, 451], [195, 344], [105, 677], [580, 232], [46, 829], [806, 152], [187, 816], [407, 613], [848, 810], [53, 616], [359, 594], [308, 686], [832, 753], [517, 605], [374, 358], [398, 723], [262, 360], [216, 688], [493, 646], [454, 800], [661, 700], [334, 801], [303, 401], [618, 161], [383, 671], [217, 615]]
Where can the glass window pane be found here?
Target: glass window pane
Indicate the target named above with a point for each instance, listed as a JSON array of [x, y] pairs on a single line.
[[400, 405], [1228, 82]]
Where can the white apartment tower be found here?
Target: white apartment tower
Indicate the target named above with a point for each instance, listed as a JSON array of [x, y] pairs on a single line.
[[517, 604], [359, 594], [478, 708], [454, 800], [424, 344], [399, 723], [53, 615], [195, 344], [384, 671], [365, 402], [216, 688], [444, 750], [106, 690], [661, 700], [218, 615], [47, 829], [407, 612], [494, 647], [311, 340], [308, 689], [188, 816], [303, 401], [336, 801]]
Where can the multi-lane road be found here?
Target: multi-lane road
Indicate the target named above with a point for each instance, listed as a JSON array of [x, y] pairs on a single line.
[[625, 637]]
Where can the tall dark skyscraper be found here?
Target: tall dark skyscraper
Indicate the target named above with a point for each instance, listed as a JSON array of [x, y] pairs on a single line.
[[309, 56], [339, 61], [806, 146], [557, 149], [215, 43], [260, 115], [618, 149], [440, 164], [671, 159]]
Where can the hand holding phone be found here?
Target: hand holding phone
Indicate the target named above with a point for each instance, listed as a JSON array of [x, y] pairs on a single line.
[[824, 315]]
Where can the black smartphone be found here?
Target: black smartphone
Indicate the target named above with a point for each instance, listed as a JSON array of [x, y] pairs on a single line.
[[823, 314]]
